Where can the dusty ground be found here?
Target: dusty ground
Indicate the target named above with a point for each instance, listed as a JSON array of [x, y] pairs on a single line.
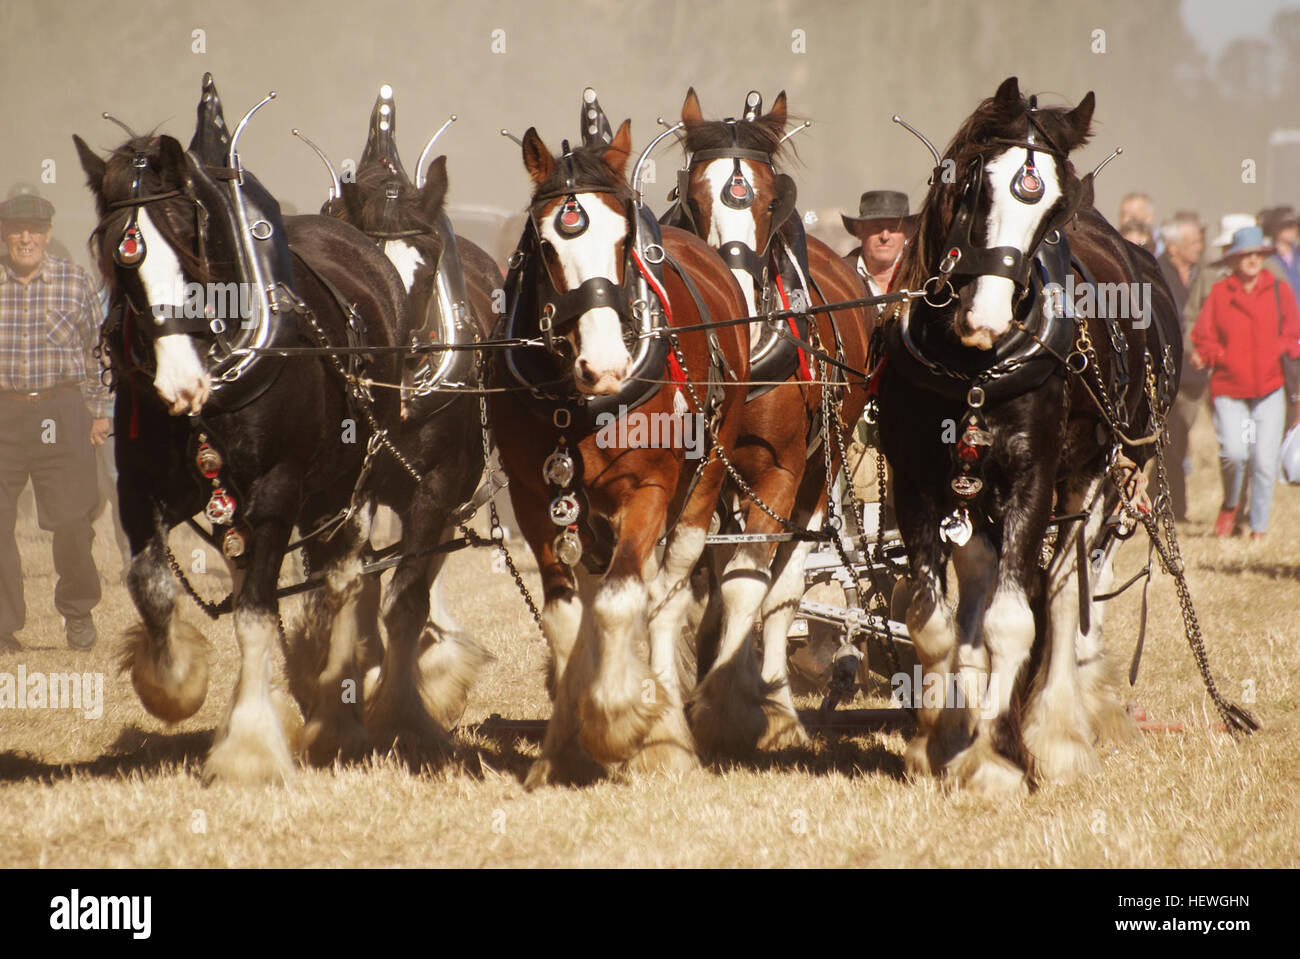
[[123, 790]]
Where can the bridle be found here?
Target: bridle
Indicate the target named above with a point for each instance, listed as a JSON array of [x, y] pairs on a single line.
[[963, 258], [738, 194], [561, 308]]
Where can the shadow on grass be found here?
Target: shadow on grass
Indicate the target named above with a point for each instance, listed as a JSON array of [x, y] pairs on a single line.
[[134, 751]]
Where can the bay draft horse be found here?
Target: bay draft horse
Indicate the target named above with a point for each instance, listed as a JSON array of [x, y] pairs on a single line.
[[733, 196], [449, 282], [256, 443], [577, 268], [987, 432]]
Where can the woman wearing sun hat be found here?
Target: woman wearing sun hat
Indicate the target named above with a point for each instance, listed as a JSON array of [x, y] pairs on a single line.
[[1248, 323]]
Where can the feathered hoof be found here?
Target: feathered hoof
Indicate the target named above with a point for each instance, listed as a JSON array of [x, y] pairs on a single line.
[[570, 766], [980, 770], [171, 679], [784, 730], [727, 713], [250, 758], [448, 669], [668, 746], [1058, 757], [406, 723], [613, 732], [1109, 721], [326, 738]]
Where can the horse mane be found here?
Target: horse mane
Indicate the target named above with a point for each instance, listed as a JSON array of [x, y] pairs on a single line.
[[119, 175], [763, 134], [589, 169], [992, 118]]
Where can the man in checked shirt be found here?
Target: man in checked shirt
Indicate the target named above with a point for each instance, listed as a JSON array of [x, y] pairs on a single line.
[[53, 411]]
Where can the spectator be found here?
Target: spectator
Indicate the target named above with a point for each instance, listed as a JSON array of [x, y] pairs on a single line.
[[1281, 225], [49, 324], [882, 228], [1139, 207], [1137, 233], [1180, 263], [1249, 321]]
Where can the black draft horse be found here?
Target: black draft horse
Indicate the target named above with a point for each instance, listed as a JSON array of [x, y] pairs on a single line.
[[259, 444], [450, 283], [988, 418]]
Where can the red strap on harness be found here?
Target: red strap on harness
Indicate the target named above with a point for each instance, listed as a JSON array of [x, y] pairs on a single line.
[[804, 373], [873, 381], [675, 371]]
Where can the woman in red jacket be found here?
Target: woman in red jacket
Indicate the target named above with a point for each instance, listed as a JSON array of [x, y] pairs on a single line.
[[1249, 321]]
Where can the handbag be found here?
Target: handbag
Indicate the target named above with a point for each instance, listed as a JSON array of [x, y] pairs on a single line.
[[1290, 364], [1290, 456]]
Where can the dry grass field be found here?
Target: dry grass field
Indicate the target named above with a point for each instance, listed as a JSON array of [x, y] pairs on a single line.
[[123, 789]]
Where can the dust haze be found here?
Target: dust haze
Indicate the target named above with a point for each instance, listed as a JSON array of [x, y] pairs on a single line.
[[1188, 124]]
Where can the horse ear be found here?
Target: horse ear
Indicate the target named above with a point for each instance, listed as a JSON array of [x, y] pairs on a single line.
[[620, 149], [434, 190], [91, 162], [1080, 119], [1009, 91], [778, 112], [537, 159], [691, 112], [171, 158]]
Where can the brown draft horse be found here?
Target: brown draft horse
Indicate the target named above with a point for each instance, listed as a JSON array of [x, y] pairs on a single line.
[[581, 238], [733, 196]]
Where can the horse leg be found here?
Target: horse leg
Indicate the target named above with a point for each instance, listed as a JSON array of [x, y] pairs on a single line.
[[1008, 629], [778, 613], [166, 656], [334, 615], [450, 661], [1057, 732], [670, 742], [618, 698], [250, 744], [929, 622]]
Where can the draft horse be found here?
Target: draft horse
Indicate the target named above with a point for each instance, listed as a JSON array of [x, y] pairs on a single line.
[[449, 283], [207, 422], [732, 195], [999, 404], [613, 305]]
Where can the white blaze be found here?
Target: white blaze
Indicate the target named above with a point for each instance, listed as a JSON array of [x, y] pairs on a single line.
[[406, 258], [727, 225], [180, 380], [593, 253], [1010, 223]]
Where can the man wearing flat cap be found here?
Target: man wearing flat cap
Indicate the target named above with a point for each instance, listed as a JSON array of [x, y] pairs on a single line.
[[53, 412], [883, 228]]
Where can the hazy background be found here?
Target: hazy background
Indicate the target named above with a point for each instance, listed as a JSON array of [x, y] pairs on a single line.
[[1189, 88]]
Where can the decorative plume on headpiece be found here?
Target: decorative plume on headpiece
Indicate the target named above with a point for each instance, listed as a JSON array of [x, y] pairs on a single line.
[[381, 147], [596, 129], [211, 143]]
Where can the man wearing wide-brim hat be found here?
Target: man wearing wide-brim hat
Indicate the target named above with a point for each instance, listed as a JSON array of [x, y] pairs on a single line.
[[53, 411], [1249, 322], [883, 226]]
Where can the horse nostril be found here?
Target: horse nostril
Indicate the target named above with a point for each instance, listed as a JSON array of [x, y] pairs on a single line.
[[584, 371]]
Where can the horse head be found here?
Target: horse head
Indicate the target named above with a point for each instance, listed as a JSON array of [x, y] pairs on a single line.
[[1011, 188], [731, 191], [168, 246], [581, 219], [383, 202]]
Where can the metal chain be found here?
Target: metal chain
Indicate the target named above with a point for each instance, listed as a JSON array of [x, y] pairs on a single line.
[[833, 424], [1234, 717], [717, 447], [496, 532]]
